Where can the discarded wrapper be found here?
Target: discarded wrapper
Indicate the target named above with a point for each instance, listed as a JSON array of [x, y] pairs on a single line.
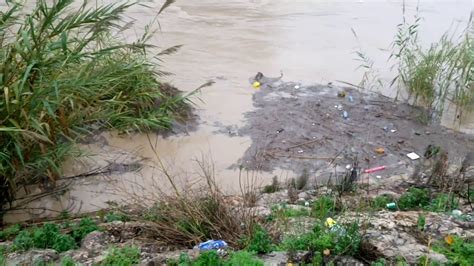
[[256, 84], [413, 156], [212, 245], [375, 169]]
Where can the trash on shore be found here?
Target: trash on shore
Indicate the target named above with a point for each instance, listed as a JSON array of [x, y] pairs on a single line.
[[380, 150], [212, 245], [413, 156], [391, 206], [375, 169], [256, 84]]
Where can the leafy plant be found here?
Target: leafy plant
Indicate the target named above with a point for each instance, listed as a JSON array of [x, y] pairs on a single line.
[[459, 252], [85, 226], [442, 203], [273, 187], [414, 198], [24, 240], [323, 207], [9, 232], [65, 73], [421, 222], [241, 258], [122, 256], [67, 261], [260, 241], [116, 216], [208, 258], [380, 202]]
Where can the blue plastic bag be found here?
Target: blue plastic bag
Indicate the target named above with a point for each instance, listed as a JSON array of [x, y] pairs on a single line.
[[212, 244]]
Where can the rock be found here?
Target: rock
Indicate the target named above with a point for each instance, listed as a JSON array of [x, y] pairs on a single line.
[[96, 241], [303, 195], [270, 199], [345, 260], [33, 257], [275, 258], [260, 211]]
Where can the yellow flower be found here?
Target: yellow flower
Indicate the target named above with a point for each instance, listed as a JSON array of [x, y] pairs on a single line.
[[330, 222], [449, 240]]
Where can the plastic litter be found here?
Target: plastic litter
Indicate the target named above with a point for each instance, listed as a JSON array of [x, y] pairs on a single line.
[[391, 206], [456, 213], [212, 245], [345, 115], [256, 84], [413, 156], [378, 176], [375, 169], [350, 98], [380, 150], [297, 86]]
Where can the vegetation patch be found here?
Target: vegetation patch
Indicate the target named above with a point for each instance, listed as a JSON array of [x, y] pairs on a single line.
[[64, 73], [122, 256]]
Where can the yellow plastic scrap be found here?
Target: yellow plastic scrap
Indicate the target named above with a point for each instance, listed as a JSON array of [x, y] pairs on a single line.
[[330, 222], [327, 252], [256, 84]]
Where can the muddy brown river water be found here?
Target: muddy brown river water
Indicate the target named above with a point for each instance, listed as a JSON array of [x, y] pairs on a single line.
[[310, 41]]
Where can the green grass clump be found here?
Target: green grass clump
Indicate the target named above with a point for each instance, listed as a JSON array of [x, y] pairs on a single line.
[[380, 202], [47, 236], [414, 198], [10, 232], [67, 261], [340, 240], [442, 203], [64, 74], [323, 207], [116, 216], [122, 256], [260, 241], [460, 252], [84, 227]]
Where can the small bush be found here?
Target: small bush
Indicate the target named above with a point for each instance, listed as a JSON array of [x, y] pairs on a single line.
[[459, 252], [273, 187], [116, 216], [63, 243], [260, 241], [243, 258], [442, 203], [122, 256], [10, 232], [414, 198], [323, 207], [67, 261], [380, 202], [85, 226], [24, 240], [45, 237], [208, 258]]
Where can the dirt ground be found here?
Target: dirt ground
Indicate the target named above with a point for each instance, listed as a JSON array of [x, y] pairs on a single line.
[[297, 127]]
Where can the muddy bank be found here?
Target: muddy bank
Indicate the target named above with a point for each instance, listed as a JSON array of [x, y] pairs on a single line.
[[297, 127]]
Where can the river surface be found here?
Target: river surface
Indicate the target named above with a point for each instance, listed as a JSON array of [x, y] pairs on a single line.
[[310, 41]]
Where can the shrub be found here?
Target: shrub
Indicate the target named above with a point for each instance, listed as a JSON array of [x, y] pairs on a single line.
[[380, 202], [63, 243], [414, 198], [208, 258], [442, 203], [273, 187], [63, 74], [116, 216], [459, 252], [323, 207], [260, 241], [67, 261], [23, 240], [241, 258], [9, 232], [85, 226], [122, 256]]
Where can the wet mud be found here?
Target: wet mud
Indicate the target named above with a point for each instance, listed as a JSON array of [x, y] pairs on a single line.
[[317, 128]]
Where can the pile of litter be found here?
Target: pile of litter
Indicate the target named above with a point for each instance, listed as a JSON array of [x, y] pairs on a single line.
[[319, 127]]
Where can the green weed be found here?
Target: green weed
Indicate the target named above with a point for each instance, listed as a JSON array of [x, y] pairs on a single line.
[[64, 73], [273, 187], [460, 252], [239, 258], [323, 207], [208, 258], [116, 216], [414, 198], [84, 227], [10, 232], [260, 241], [442, 203], [47, 236], [122, 256], [67, 261], [380, 202], [421, 222], [243, 258]]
